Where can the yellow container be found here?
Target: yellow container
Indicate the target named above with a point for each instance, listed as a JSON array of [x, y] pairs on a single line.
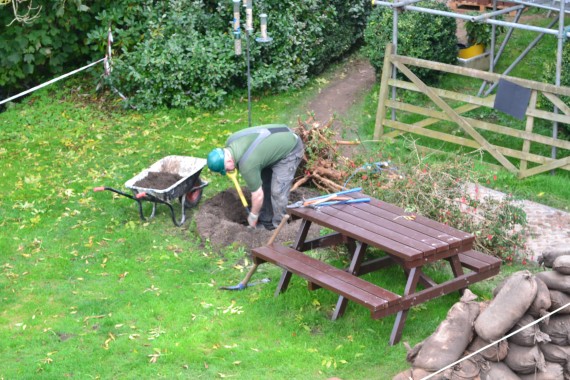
[[471, 51]]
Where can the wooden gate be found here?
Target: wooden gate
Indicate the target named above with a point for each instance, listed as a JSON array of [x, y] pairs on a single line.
[[471, 126]]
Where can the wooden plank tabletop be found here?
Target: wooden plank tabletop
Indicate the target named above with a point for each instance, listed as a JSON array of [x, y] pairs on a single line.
[[389, 228]]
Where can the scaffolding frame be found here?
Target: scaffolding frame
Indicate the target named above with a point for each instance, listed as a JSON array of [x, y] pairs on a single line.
[[562, 34]]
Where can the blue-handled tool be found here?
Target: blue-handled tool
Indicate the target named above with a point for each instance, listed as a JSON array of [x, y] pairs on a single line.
[[322, 198], [333, 203]]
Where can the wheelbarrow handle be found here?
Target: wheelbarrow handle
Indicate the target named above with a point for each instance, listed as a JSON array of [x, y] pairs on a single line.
[[102, 188]]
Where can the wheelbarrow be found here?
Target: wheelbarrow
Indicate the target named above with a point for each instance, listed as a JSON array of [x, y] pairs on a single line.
[[187, 186]]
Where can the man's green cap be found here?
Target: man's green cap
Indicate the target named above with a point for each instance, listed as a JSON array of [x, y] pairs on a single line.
[[216, 161]]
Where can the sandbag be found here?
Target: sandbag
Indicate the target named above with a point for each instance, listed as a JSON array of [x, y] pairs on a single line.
[[418, 374], [547, 258], [530, 335], [557, 300], [562, 264], [553, 371], [498, 371], [495, 353], [508, 306], [555, 353], [468, 369], [450, 339], [542, 301], [525, 360], [555, 280], [558, 329]]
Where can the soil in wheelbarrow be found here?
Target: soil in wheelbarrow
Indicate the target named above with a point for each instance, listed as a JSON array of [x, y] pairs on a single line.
[[158, 180], [221, 219]]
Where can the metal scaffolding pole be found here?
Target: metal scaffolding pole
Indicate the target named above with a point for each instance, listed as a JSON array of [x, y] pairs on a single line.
[[561, 38]]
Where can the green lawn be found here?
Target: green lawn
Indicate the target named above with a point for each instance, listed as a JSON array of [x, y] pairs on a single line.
[[87, 290]]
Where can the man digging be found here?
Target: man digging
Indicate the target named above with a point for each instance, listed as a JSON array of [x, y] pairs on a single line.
[[267, 157]]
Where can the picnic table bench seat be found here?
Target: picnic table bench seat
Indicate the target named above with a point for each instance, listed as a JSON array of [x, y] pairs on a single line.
[[479, 262], [379, 301], [326, 276]]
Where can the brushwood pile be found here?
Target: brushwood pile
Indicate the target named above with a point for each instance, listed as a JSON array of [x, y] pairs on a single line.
[[515, 335]]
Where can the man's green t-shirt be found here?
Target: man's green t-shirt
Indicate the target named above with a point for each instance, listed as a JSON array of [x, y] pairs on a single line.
[[270, 150]]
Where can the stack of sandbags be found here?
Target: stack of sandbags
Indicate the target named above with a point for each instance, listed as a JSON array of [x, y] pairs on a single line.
[[540, 350]]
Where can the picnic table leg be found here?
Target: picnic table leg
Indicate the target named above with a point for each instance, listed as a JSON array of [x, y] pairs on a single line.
[[299, 242], [411, 284], [283, 282], [354, 267], [457, 269], [302, 235]]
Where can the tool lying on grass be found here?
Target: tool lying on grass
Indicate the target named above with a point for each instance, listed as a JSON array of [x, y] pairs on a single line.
[[244, 283], [233, 176], [330, 200]]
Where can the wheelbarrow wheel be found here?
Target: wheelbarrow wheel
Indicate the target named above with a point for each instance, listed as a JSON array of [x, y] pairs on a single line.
[[192, 198]]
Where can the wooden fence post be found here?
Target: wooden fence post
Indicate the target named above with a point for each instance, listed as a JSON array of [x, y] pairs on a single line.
[[383, 93]]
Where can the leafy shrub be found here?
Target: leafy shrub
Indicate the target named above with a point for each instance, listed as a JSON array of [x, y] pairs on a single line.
[[480, 32], [178, 53], [438, 190], [177, 66], [48, 46], [420, 35], [186, 58]]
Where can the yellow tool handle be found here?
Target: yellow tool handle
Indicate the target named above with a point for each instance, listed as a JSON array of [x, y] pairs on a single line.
[[233, 177]]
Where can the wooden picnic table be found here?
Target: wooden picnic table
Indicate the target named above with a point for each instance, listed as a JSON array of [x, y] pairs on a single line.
[[409, 241]]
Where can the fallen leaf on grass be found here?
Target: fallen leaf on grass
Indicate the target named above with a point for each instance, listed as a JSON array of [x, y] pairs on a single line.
[[110, 339], [93, 317], [155, 333], [154, 357], [232, 309], [151, 289]]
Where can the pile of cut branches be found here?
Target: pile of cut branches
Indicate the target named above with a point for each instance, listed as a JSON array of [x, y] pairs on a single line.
[[322, 165]]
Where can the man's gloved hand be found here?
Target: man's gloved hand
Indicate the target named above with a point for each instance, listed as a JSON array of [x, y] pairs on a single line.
[[252, 219]]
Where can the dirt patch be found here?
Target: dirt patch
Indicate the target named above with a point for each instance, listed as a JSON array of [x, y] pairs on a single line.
[[222, 220]]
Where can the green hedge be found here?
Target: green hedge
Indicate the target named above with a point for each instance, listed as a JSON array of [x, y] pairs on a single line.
[[420, 35], [55, 42], [187, 58], [180, 53]]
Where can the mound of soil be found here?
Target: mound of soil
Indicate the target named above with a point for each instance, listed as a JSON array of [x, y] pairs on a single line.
[[222, 220]]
